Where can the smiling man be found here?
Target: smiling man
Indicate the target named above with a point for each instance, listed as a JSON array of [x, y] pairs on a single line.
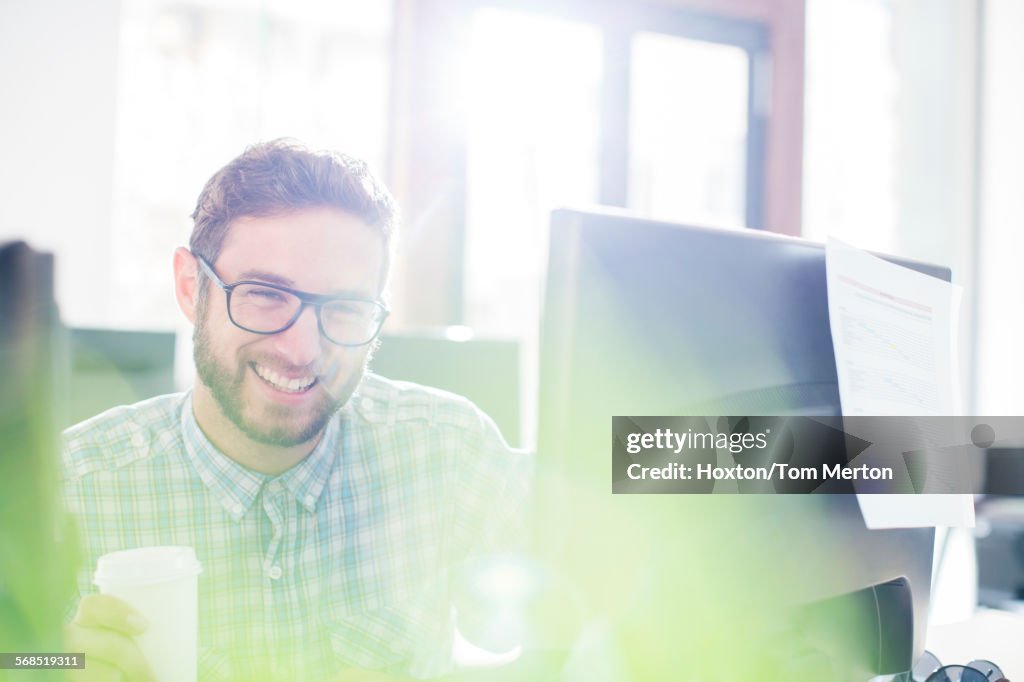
[[331, 509]]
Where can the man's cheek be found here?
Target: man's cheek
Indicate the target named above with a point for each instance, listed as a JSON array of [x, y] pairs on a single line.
[[343, 368], [332, 374]]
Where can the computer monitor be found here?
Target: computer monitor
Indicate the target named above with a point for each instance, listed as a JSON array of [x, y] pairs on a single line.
[[649, 318]]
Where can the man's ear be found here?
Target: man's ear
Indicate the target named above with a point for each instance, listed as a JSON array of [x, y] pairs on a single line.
[[186, 283]]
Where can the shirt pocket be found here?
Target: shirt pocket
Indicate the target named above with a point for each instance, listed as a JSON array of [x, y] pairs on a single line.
[[378, 639], [391, 639]]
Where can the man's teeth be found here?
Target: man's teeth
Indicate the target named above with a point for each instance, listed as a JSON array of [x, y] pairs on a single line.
[[279, 382]]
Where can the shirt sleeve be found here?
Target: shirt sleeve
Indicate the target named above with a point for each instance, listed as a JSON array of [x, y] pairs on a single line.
[[492, 502], [492, 536], [69, 533]]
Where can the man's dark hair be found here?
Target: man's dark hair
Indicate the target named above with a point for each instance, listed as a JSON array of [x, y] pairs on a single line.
[[281, 176]]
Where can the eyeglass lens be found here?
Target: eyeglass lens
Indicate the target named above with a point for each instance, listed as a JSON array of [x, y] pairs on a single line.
[[929, 669], [988, 668], [925, 666], [965, 673]]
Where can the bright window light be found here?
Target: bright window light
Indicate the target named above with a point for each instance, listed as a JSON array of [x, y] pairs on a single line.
[[198, 82], [688, 130], [532, 133], [851, 151]]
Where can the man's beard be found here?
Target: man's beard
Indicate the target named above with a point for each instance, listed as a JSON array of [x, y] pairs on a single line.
[[272, 424]]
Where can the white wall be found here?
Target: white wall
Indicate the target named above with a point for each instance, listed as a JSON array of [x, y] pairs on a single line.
[[936, 54], [891, 134], [1001, 323], [934, 51], [58, 72]]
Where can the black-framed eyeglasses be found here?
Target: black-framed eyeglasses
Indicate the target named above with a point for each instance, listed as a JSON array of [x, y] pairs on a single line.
[[929, 669], [263, 308]]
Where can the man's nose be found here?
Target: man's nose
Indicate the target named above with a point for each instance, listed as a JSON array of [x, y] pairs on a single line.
[[300, 344]]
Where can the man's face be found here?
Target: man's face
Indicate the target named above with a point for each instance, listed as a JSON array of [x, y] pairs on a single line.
[[321, 251]]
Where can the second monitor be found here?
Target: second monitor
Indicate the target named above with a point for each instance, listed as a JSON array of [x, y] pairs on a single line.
[[649, 318]]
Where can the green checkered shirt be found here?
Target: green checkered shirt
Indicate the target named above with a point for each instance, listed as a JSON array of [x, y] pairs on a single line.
[[343, 560]]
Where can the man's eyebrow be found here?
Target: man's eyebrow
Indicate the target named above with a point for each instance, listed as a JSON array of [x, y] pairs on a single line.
[[264, 276], [271, 278]]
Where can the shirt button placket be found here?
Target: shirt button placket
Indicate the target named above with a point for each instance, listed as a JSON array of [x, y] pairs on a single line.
[[272, 571]]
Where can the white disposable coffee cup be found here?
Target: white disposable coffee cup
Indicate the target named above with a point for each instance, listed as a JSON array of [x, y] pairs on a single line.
[[160, 583]]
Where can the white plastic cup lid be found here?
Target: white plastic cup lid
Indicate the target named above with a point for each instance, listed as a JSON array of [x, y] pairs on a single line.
[[146, 566]]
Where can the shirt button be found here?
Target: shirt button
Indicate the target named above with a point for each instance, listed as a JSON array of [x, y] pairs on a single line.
[[310, 500], [274, 573], [367, 403], [139, 440], [236, 508]]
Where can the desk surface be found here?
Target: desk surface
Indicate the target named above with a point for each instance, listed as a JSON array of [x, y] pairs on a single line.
[[994, 635]]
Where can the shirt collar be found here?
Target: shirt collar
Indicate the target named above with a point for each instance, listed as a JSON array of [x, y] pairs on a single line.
[[236, 487]]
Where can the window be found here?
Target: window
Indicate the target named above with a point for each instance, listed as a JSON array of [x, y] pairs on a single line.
[[851, 161], [533, 144], [200, 81], [658, 110], [688, 130]]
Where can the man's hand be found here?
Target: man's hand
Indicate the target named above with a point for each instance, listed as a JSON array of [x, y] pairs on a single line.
[[103, 629]]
